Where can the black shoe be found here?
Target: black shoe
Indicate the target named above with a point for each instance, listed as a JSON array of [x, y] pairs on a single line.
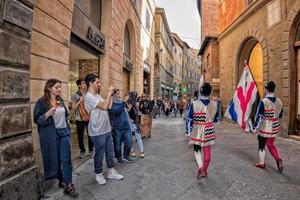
[[62, 185], [70, 190], [279, 165], [120, 160]]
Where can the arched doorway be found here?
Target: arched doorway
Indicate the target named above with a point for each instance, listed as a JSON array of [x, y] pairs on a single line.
[[252, 52], [295, 75], [126, 69], [128, 57]]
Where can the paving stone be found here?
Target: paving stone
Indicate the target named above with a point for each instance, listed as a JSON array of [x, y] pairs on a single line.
[[169, 170]]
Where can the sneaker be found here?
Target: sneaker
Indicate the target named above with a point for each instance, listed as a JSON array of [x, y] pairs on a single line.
[[70, 190], [119, 160], [81, 155], [259, 165], [113, 174], [279, 165], [128, 159], [100, 179], [91, 154], [142, 155]]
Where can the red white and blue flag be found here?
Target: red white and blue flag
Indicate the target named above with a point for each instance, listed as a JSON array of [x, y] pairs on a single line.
[[245, 95]]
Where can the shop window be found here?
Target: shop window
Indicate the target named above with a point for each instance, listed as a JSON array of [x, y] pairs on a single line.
[[126, 47], [96, 12], [92, 9], [147, 20]]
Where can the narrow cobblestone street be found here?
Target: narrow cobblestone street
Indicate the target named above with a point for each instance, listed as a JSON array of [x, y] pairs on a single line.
[[168, 170]]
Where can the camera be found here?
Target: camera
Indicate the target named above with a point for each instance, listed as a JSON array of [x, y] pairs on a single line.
[[116, 91]]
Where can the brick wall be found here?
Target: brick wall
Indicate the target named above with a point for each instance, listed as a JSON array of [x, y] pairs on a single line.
[[228, 11], [209, 18], [87, 66]]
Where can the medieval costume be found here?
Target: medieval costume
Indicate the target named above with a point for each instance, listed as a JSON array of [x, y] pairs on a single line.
[[267, 124], [199, 127]]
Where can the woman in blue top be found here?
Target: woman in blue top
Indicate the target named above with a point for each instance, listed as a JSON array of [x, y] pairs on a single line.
[[51, 117]]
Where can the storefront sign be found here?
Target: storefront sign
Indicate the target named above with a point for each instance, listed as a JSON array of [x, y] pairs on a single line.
[[18, 14], [96, 38]]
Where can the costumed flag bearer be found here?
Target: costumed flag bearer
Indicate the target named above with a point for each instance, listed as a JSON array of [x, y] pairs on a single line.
[[199, 127], [269, 111]]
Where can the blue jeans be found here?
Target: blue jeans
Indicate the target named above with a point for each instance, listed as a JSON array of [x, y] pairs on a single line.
[[137, 134], [103, 143], [64, 155], [124, 136]]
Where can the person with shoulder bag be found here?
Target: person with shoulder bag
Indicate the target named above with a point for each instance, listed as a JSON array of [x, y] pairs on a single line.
[[51, 117], [82, 118]]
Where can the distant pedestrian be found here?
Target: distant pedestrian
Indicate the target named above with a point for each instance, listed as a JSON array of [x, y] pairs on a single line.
[[81, 125], [99, 128], [180, 106], [267, 124], [146, 121], [199, 127], [51, 117]]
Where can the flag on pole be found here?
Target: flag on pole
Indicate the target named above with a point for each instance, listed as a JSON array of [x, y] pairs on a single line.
[[201, 82], [240, 107]]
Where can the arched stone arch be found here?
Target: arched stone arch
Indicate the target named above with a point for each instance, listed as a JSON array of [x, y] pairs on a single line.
[[254, 35], [129, 26], [288, 67]]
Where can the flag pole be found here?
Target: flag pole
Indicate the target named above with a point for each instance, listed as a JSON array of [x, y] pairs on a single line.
[[246, 64]]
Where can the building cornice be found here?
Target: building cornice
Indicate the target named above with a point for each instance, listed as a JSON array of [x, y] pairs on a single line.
[[244, 16], [204, 44]]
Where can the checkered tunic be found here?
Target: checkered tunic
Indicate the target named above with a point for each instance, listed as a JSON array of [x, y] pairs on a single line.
[[200, 127], [270, 124]]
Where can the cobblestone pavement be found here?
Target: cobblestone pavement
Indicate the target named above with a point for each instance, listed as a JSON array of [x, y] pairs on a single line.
[[169, 170]]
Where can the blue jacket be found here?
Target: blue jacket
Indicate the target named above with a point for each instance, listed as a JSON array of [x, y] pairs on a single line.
[[48, 138], [117, 116]]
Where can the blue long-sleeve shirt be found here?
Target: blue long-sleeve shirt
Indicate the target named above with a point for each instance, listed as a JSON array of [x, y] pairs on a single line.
[[190, 115]]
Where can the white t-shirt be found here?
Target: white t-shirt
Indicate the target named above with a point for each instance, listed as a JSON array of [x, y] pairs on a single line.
[[60, 117], [99, 121]]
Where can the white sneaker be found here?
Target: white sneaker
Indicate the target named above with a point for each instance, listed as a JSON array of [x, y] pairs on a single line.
[[113, 174], [100, 179]]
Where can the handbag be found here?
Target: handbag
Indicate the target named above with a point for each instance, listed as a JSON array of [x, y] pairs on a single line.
[[82, 111]]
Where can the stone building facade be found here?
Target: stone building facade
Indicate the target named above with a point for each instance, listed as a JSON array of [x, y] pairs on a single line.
[[209, 50], [19, 174], [63, 39], [178, 66], [148, 45], [163, 82], [266, 34]]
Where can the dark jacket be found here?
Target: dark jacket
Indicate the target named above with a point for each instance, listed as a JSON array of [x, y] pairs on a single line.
[[117, 116], [48, 137], [145, 106]]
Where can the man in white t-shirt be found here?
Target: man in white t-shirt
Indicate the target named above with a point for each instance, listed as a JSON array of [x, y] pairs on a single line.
[[99, 128]]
